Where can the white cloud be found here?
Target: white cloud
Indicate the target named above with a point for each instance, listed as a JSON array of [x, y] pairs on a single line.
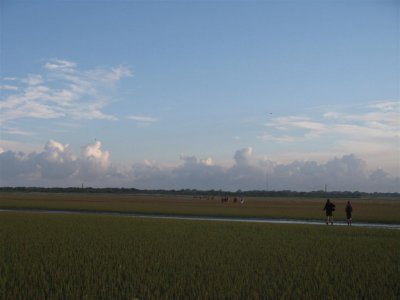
[[91, 113], [188, 160], [372, 131], [33, 79], [374, 120], [298, 122], [93, 162], [386, 105], [7, 87], [57, 165], [292, 129], [243, 156], [207, 161], [143, 119], [109, 76], [16, 131], [60, 65], [56, 161], [63, 91], [92, 152], [16, 146], [278, 139]]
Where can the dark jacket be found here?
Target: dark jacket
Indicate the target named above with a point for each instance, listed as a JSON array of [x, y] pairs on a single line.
[[329, 207], [349, 208]]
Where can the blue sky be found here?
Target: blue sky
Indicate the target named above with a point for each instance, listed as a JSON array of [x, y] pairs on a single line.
[[158, 82]]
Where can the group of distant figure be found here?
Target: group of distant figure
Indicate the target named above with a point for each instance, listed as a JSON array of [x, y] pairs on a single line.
[[207, 197], [235, 200], [330, 208], [224, 199]]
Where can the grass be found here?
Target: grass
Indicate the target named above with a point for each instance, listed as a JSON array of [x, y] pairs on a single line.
[[101, 257], [385, 210]]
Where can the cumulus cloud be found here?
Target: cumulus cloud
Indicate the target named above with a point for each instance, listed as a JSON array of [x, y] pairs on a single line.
[[57, 165], [242, 157], [56, 161], [93, 161], [62, 90], [195, 173], [207, 161], [189, 160]]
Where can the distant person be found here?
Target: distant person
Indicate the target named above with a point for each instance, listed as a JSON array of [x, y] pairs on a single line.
[[349, 210], [329, 209]]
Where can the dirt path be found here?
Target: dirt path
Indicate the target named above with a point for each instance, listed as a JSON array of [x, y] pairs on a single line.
[[205, 218]]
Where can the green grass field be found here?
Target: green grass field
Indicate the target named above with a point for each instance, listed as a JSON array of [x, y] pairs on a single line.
[[102, 257], [385, 210]]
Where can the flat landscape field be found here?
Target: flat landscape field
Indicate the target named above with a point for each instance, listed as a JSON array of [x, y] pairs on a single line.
[[46, 256], [368, 209]]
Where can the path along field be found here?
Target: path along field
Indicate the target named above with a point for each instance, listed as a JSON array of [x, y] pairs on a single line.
[[46, 256], [384, 210]]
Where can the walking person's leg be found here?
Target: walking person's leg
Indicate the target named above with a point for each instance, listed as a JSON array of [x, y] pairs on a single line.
[[348, 215]]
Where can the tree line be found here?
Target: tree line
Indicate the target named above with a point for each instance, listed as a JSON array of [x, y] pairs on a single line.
[[195, 192]]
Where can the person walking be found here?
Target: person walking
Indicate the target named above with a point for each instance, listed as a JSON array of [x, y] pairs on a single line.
[[349, 210], [329, 209]]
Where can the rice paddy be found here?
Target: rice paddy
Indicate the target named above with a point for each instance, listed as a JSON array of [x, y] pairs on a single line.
[[55, 256], [103, 257]]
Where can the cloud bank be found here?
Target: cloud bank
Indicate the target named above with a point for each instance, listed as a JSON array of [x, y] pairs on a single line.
[[57, 165]]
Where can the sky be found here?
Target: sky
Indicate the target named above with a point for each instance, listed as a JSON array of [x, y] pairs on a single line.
[[201, 94]]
